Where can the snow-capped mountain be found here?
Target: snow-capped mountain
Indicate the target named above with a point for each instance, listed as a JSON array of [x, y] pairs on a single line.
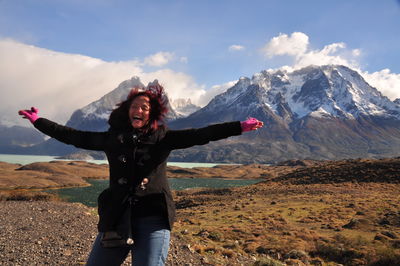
[[319, 112], [333, 91], [94, 116], [183, 107], [17, 137]]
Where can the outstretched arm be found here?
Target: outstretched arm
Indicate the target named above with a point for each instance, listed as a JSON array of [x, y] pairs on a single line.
[[80, 139], [181, 139]]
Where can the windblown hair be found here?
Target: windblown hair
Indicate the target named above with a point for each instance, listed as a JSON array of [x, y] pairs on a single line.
[[119, 117]]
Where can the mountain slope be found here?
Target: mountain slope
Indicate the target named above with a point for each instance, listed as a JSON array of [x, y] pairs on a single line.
[[318, 112], [94, 116], [17, 138], [326, 112]]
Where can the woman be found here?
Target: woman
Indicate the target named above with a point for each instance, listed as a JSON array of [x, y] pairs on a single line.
[[136, 212]]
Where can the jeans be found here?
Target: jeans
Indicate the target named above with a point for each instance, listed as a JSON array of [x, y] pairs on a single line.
[[151, 236]]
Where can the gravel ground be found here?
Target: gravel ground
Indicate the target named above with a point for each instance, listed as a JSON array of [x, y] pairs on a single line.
[[59, 233]]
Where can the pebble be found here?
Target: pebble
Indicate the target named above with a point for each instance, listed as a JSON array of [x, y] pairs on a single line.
[[61, 233]]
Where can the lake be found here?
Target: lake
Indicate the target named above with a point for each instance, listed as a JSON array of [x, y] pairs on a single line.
[[88, 195], [27, 159]]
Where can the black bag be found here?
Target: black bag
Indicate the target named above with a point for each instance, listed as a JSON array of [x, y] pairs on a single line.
[[122, 236], [115, 212]]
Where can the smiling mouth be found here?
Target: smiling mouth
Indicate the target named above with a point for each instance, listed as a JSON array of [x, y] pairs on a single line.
[[137, 118]]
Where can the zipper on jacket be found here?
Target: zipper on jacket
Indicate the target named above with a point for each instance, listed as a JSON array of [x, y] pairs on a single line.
[[136, 141], [130, 241], [131, 199]]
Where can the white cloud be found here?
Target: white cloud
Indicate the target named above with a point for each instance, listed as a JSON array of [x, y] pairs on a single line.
[[183, 59], [297, 46], [356, 52], [335, 53], [177, 84], [59, 83], [294, 45], [236, 47], [159, 59], [208, 95], [388, 83]]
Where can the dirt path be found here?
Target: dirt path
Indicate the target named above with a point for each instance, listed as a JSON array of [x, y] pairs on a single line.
[[58, 233]]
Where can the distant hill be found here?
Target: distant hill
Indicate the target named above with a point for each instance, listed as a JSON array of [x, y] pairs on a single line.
[[17, 137], [318, 112], [357, 170]]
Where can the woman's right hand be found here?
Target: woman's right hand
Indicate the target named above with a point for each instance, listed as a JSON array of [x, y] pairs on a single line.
[[31, 115], [251, 124]]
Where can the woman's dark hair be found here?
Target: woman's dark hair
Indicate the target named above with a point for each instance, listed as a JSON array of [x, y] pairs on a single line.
[[119, 117]]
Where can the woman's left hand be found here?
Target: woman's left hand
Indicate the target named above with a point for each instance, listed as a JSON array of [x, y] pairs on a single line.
[[31, 115], [251, 124]]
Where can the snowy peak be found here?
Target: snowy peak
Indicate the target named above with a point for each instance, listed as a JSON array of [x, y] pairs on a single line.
[[321, 112], [183, 107], [330, 90], [231, 96], [355, 96], [94, 116], [103, 107]]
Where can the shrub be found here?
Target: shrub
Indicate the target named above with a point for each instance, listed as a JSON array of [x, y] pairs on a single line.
[[387, 256], [28, 196], [268, 262], [337, 253], [228, 253], [216, 236]]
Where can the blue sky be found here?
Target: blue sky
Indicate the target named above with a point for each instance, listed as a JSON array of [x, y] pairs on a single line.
[[196, 48]]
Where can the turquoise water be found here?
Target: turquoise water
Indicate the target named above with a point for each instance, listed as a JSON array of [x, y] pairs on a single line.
[[27, 159], [88, 195]]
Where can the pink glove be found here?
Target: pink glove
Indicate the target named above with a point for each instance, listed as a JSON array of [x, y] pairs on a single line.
[[32, 114], [251, 124]]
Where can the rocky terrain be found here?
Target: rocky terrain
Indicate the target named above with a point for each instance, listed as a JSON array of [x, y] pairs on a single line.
[[304, 213], [56, 174], [58, 233]]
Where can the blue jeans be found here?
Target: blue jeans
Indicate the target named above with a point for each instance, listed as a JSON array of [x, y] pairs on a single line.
[[151, 235]]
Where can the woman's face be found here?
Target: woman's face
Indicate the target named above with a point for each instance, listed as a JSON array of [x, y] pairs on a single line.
[[139, 111]]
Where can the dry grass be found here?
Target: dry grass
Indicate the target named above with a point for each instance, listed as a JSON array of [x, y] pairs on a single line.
[[345, 212], [53, 174], [338, 223], [24, 195]]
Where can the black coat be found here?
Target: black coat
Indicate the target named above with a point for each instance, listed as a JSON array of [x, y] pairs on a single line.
[[132, 157]]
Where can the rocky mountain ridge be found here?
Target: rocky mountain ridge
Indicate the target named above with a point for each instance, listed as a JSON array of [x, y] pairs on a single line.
[[17, 136], [318, 112], [94, 116], [184, 107], [318, 91]]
